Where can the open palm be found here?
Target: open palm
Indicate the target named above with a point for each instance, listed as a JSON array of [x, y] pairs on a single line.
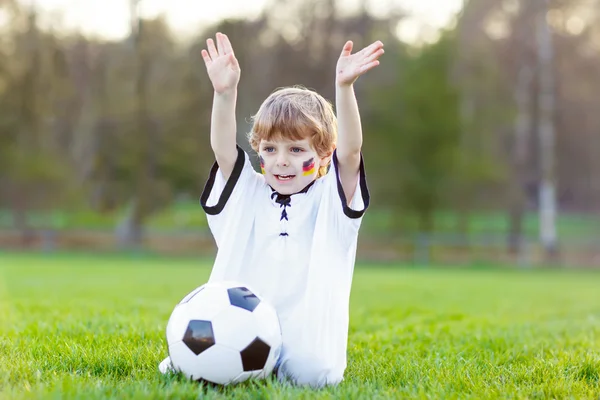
[[222, 66], [351, 66]]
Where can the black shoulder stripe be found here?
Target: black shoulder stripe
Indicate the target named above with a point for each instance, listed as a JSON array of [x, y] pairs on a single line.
[[229, 186], [366, 197]]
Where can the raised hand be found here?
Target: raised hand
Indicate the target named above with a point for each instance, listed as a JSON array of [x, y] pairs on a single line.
[[222, 66], [351, 66]]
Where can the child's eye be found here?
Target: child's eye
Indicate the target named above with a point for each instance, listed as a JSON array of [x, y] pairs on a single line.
[[297, 150], [269, 149]]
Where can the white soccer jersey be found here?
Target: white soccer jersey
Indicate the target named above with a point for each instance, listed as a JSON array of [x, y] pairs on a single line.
[[297, 251]]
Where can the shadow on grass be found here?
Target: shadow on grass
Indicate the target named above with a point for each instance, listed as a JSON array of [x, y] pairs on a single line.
[[206, 387]]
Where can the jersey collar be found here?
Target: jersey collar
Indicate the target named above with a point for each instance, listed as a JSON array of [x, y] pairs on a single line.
[[285, 199]]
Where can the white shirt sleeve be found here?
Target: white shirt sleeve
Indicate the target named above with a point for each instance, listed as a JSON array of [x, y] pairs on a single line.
[[226, 201], [345, 218]]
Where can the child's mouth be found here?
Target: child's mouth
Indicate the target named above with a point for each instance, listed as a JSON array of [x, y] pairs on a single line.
[[284, 178]]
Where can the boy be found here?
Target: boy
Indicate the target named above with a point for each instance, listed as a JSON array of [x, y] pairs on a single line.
[[291, 231]]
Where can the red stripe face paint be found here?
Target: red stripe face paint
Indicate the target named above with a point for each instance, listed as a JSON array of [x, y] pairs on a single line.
[[308, 167], [262, 164]]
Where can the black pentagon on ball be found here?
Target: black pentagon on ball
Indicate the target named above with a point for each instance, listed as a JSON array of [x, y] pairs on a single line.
[[199, 336], [254, 357], [242, 297]]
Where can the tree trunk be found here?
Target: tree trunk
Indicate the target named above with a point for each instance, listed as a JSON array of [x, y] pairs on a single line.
[[131, 234], [29, 141], [426, 219], [547, 195], [520, 155]]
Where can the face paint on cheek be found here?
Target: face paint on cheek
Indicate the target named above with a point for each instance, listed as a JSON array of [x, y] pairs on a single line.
[[262, 164], [308, 167]]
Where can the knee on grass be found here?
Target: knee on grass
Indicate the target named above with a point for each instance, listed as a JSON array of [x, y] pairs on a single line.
[[307, 371]]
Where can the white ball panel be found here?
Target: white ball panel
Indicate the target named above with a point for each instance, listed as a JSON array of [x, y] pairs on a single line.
[[244, 376], [269, 329], [234, 327], [177, 324], [218, 364], [207, 303], [191, 294], [182, 358]]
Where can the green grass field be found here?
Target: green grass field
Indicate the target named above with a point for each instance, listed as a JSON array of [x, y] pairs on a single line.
[[90, 327]]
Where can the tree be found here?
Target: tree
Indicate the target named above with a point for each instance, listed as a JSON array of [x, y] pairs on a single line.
[[546, 131], [35, 176], [415, 132]]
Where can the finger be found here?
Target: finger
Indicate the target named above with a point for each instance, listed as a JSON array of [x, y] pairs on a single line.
[[220, 43], [233, 60], [211, 49], [373, 56], [227, 45], [369, 66], [371, 48], [206, 57], [347, 49]]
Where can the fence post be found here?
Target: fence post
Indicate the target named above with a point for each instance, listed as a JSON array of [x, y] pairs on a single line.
[[48, 240], [422, 249]]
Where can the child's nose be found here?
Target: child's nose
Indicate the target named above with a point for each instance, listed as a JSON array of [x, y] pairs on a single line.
[[282, 160]]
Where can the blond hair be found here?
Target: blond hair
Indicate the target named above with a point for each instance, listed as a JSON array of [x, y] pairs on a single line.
[[296, 113]]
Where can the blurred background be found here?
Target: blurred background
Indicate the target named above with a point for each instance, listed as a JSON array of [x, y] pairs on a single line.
[[481, 125]]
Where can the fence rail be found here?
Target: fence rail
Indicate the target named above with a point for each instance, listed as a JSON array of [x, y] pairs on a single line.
[[423, 249]]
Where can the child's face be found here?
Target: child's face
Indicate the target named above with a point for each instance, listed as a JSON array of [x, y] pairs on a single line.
[[289, 166]]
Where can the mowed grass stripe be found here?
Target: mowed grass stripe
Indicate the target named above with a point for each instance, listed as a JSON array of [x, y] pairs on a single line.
[[93, 327]]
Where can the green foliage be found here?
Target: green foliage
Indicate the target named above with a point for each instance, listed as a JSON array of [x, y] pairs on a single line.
[[75, 118], [416, 130], [32, 167], [91, 328]]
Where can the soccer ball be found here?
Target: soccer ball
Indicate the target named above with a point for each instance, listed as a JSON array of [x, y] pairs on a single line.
[[224, 333]]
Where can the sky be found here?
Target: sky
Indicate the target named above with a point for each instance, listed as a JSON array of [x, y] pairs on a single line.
[[110, 18]]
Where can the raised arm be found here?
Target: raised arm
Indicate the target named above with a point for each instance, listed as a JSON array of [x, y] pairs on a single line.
[[224, 72], [349, 68]]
